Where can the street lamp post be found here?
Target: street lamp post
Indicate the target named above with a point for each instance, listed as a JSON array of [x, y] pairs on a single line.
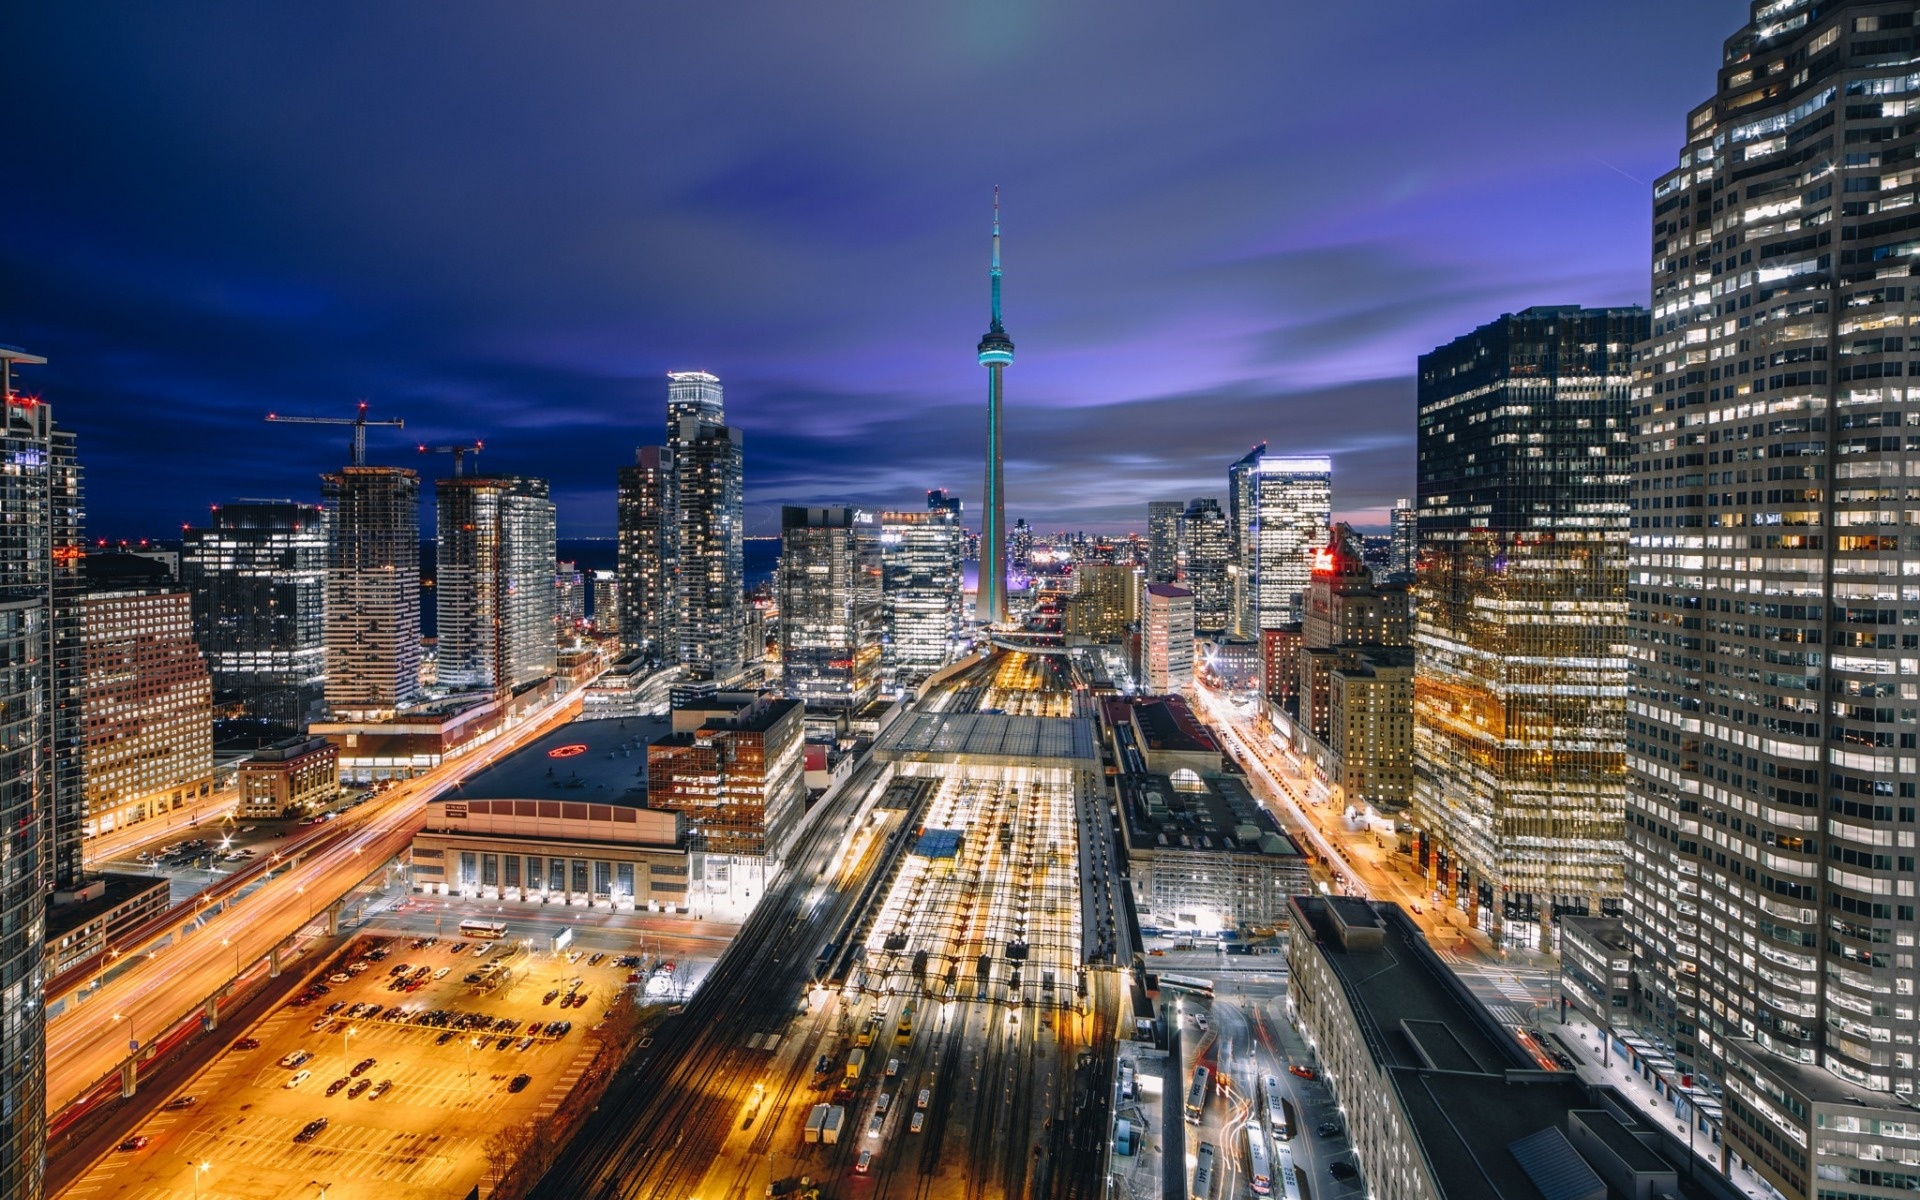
[[197, 1171], [346, 1055]]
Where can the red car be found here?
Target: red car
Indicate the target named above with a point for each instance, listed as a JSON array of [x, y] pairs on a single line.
[[1304, 1072]]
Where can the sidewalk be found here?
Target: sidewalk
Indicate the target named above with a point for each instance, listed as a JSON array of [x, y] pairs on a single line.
[[1582, 1038]]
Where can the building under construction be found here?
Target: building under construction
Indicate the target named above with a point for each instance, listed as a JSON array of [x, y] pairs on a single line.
[[373, 591]]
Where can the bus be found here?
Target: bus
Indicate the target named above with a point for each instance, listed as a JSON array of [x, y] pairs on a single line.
[[1259, 1174], [1186, 983], [1289, 1186], [1203, 1173], [486, 931], [1276, 1107], [1197, 1095]]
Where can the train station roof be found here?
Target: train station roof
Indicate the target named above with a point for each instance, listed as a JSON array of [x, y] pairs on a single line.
[[989, 739]]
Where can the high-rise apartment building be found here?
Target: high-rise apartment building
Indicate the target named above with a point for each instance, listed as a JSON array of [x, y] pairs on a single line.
[[1163, 540], [830, 606], [372, 610], [1167, 638], [1207, 541], [1020, 547], [1242, 518], [1774, 603], [258, 577], [647, 531], [1405, 534], [1519, 692], [570, 590], [606, 602], [494, 592], [42, 801], [922, 593], [710, 512], [1292, 503], [148, 706]]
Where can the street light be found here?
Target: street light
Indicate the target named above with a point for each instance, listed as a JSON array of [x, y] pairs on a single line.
[[346, 1056], [205, 1166]]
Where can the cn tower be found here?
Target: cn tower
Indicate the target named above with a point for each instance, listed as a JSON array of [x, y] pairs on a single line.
[[996, 355]]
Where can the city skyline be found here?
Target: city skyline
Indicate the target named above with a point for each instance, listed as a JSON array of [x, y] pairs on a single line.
[[829, 295]]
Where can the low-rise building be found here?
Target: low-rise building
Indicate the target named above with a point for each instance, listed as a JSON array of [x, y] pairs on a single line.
[[565, 852], [1205, 854], [299, 775], [85, 921], [1440, 1102]]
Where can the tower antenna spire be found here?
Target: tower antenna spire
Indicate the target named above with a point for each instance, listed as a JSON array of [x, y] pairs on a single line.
[[997, 326]]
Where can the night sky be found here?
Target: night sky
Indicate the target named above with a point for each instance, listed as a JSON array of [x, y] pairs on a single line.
[[1225, 221]]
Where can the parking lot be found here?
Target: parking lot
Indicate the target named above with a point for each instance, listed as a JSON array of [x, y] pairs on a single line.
[[410, 1065]]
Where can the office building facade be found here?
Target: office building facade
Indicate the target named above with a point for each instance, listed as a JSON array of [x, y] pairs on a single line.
[[1167, 638], [922, 593], [1405, 533], [148, 707], [1163, 540], [1242, 519], [258, 577], [738, 778], [372, 608], [1103, 604], [494, 590], [649, 621], [1292, 503], [830, 606], [1521, 623], [1774, 613], [1207, 540]]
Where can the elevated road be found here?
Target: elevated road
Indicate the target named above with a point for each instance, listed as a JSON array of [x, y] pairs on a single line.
[[165, 973]]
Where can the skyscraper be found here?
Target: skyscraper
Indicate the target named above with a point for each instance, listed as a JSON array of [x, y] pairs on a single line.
[[494, 591], [996, 355], [1405, 534], [1163, 540], [710, 505], [570, 589], [922, 592], [1020, 546], [1207, 548], [1243, 519], [1292, 503], [1773, 598], [649, 616], [42, 801], [258, 576], [1520, 629], [830, 606], [373, 591]]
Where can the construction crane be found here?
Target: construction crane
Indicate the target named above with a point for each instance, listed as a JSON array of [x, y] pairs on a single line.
[[358, 421], [459, 453]]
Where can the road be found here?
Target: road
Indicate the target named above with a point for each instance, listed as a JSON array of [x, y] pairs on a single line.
[[118, 843], [88, 1041]]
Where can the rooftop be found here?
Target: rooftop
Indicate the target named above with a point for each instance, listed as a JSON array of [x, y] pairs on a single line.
[[610, 765], [1166, 723], [1531, 1130], [987, 738], [1223, 816]]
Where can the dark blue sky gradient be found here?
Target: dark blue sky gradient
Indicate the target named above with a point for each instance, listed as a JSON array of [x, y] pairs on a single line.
[[1225, 221]]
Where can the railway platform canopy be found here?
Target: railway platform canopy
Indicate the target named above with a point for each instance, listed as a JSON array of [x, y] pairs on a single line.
[[990, 740]]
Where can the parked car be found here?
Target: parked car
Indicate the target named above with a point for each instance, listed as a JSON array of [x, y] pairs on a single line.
[[1341, 1169], [312, 1129], [178, 1103], [1329, 1129], [299, 1077], [380, 1089], [247, 1043], [339, 1083], [519, 1083], [136, 1142], [360, 1068]]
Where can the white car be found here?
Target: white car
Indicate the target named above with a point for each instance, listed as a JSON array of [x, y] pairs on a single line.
[[926, 1098], [442, 972], [873, 1126], [919, 1122], [298, 1078], [893, 1067], [886, 1099]]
